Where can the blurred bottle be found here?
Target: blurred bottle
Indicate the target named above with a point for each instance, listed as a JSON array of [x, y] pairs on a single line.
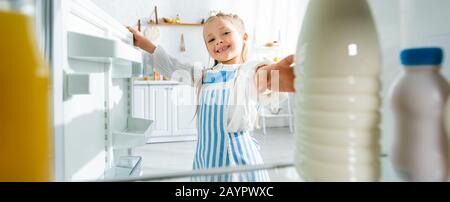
[[418, 99], [178, 19], [338, 67], [25, 7], [25, 140], [156, 75]]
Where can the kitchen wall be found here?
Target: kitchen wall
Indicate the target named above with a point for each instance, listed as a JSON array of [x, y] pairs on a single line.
[[265, 20], [128, 12]]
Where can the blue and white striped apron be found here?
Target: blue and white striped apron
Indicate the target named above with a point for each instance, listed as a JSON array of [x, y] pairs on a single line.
[[217, 147]]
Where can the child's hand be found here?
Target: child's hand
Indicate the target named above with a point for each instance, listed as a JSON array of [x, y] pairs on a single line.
[[286, 74], [140, 41], [281, 72]]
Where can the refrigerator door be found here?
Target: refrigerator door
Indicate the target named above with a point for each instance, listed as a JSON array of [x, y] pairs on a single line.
[[93, 63]]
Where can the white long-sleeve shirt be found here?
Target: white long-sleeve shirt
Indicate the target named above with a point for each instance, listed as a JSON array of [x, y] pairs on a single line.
[[242, 111]]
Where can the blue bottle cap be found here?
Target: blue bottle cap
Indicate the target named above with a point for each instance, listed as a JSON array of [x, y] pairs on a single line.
[[422, 56]]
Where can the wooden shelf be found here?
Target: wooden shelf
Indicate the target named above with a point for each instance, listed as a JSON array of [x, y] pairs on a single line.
[[177, 24]]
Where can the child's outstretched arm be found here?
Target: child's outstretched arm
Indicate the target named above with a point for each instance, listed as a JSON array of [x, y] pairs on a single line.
[[281, 72], [164, 63], [141, 42]]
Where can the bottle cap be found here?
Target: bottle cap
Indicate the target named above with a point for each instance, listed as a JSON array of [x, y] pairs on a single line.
[[422, 56]]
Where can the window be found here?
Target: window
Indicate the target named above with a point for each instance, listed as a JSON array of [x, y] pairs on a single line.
[[278, 20]]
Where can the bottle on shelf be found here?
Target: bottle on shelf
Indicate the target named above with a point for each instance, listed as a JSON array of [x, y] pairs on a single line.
[[178, 19], [338, 85], [418, 98], [156, 76], [25, 137]]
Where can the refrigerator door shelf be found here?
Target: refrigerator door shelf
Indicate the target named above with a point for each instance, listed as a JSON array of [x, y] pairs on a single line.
[[134, 135], [98, 49]]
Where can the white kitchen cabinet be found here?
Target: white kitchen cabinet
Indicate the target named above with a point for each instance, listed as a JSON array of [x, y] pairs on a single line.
[[161, 106], [184, 110], [169, 105], [140, 96]]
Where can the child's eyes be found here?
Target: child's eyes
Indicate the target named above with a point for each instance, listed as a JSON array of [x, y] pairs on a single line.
[[213, 39]]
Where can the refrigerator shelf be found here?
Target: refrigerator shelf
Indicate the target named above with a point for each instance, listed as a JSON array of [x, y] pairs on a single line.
[[134, 135], [99, 49], [126, 166]]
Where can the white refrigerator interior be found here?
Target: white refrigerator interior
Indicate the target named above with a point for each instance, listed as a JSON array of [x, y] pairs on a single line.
[[94, 61]]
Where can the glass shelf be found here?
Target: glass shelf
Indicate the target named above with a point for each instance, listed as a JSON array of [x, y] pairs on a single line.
[[126, 166], [278, 172]]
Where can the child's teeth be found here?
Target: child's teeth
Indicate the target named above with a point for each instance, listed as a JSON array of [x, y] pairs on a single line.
[[221, 49]]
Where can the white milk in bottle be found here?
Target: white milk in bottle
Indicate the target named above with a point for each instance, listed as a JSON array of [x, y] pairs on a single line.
[[418, 102], [337, 100]]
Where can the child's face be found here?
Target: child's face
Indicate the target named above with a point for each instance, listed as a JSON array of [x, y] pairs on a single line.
[[224, 41]]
